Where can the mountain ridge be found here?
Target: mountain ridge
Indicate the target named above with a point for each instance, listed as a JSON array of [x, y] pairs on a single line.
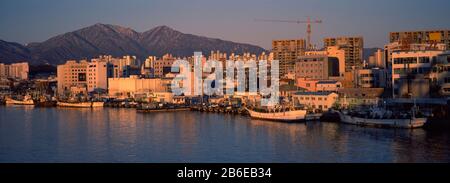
[[108, 39]]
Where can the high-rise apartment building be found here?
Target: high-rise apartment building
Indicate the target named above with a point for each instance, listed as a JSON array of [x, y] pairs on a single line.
[[421, 37], [353, 47], [287, 52]]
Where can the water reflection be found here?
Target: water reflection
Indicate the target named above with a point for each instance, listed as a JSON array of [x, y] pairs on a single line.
[[122, 135]]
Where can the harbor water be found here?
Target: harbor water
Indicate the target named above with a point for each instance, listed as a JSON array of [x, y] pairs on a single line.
[[31, 134]]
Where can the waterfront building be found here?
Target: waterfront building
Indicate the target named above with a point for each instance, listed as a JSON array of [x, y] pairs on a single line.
[[287, 52], [133, 85], [72, 74], [317, 101], [18, 71], [440, 75], [410, 72], [83, 74], [349, 97]]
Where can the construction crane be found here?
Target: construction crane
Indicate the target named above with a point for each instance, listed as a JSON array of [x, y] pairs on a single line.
[[308, 22]]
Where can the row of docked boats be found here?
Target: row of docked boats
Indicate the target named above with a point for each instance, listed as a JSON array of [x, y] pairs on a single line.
[[373, 116], [43, 102]]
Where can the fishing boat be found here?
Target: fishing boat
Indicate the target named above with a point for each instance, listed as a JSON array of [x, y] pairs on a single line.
[[27, 100], [284, 114], [74, 104], [379, 117], [151, 107]]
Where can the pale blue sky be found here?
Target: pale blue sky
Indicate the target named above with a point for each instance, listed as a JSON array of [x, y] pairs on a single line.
[[27, 21]]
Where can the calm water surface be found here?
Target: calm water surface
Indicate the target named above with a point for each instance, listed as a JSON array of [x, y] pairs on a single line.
[[30, 134]]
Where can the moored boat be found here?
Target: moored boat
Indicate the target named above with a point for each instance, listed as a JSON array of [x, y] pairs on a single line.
[[280, 115], [380, 118], [27, 100], [74, 104]]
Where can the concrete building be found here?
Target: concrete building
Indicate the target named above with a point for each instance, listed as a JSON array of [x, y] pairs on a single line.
[[317, 101], [83, 74], [422, 37], [410, 72], [287, 52], [377, 60], [328, 86], [18, 71], [98, 72], [163, 65], [440, 76], [123, 67], [147, 68], [129, 87], [72, 74], [371, 78], [318, 67], [353, 48], [349, 97], [332, 51]]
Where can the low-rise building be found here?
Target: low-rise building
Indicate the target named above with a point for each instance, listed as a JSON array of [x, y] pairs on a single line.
[[317, 101], [328, 86], [359, 96], [129, 87]]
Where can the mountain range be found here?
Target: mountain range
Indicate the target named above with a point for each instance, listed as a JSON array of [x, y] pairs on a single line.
[[106, 39]]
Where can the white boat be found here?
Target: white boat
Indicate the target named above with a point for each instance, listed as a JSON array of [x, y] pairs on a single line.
[[287, 116], [411, 122], [75, 104], [26, 101]]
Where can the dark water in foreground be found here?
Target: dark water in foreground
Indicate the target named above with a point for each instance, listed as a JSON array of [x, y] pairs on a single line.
[[122, 135]]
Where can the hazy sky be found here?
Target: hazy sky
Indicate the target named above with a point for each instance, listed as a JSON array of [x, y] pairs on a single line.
[[27, 21]]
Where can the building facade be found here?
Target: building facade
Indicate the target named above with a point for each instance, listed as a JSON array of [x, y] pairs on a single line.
[[421, 37], [353, 48], [15, 71], [287, 52], [318, 67], [371, 78], [317, 101], [410, 72]]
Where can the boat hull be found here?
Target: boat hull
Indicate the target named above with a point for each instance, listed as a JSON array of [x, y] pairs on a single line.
[[18, 102], [288, 116], [387, 123], [75, 105]]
